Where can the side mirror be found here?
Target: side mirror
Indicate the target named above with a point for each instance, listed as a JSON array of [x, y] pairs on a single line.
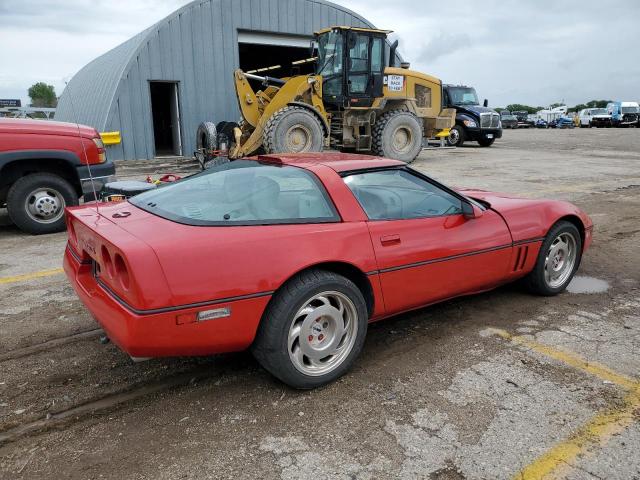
[[485, 103], [471, 211], [312, 48]]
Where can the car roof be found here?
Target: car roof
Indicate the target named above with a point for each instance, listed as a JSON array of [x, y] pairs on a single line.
[[340, 162]]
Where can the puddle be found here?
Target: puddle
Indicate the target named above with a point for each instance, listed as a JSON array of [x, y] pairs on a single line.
[[581, 284]]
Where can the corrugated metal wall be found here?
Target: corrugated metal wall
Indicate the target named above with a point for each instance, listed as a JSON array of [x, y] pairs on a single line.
[[195, 46]]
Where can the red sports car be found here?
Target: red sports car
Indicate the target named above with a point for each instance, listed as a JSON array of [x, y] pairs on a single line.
[[293, 255]]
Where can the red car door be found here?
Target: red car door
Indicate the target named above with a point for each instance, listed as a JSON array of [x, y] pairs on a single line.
[[425, 248]]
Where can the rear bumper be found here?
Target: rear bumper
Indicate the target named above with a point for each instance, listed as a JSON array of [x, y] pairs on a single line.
[[165, 333]]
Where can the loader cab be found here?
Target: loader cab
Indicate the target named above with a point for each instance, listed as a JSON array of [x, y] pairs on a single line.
[[351, 62]]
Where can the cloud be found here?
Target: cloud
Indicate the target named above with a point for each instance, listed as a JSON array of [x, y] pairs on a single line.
[[443, 44]]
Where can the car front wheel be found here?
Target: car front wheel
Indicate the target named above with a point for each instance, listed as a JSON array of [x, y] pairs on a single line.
[[557, 261], [313, 330]]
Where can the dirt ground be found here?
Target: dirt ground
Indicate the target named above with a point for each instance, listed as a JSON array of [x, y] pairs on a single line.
[[498, 385]]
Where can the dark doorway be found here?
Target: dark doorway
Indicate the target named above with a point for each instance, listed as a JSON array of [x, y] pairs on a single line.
[[275, 60], [165, 109]]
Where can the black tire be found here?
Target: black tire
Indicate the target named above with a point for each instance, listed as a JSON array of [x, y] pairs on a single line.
[[55, 190], [293, 129], [535, 281], [393, 127], [457, 137], [207, 136], [271, 346], [486, 142]]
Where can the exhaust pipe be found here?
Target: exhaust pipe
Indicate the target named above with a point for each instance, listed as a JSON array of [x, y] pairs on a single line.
[[392, 54]]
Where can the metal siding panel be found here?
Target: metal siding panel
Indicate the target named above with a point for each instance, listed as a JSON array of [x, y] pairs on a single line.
[[126, 124], [255, 13], [155, 61], [188, 94], [198, 47], [139, 124]]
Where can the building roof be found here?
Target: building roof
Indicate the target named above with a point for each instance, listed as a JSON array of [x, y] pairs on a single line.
[[89, 97]]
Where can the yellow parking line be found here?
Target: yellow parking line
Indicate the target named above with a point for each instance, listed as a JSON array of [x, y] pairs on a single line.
[[597, 431], [573, 360], [31, 276]]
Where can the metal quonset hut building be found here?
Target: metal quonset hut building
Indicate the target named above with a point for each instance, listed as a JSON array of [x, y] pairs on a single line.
[[157, 87]]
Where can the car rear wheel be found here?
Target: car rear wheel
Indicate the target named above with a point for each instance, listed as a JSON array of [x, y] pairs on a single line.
[[313, 330], [36, 202], [557, 261]]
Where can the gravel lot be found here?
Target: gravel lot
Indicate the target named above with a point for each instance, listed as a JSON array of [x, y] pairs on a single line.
[[499, 385]]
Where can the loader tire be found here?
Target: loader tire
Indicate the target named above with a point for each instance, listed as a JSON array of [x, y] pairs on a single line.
[[293, 130], [207, 136], [398, 135]]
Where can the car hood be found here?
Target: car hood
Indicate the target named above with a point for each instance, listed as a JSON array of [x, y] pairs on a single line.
[[527, 218], [602, 115]]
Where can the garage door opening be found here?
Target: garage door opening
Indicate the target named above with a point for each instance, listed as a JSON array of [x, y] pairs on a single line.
[[274, 55], [165, 110]]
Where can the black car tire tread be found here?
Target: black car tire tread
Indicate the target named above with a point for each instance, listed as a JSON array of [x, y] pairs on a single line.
[[486, 142], [534, 281], [25, 185], [270, 345]]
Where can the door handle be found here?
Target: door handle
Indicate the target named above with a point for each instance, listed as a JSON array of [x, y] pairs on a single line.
[[390, 239]]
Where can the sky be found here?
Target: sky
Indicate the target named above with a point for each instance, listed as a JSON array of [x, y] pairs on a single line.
[[535, 52]]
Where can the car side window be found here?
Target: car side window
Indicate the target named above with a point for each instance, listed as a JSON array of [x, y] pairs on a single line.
[[398, 194]]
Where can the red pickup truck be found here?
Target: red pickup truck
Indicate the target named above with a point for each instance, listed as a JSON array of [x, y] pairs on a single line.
[[44, 167]]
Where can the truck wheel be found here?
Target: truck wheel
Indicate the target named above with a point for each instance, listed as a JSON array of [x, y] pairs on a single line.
[[456, 136], [36, 202], [398, 135], [313, 330], [293, 129], [486, 142]]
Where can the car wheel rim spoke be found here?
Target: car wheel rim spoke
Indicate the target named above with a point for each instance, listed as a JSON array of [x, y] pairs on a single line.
[[560, 260], [322, 333]]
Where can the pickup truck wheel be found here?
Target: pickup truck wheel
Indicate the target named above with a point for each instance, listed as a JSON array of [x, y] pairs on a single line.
[[398, 135], [557, 261], [36, 202], [456, 136], [313, 330], [486, 142]]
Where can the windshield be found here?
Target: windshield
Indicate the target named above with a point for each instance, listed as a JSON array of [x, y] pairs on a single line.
[[463, 96], [599, 111], [629, 110], [242, 192], [330, 53]]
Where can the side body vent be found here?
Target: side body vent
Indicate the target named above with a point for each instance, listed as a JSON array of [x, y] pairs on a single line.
[[521, 255]]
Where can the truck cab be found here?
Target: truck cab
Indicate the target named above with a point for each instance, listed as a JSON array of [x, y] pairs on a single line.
[[474, 122], [46, 166], [624, 114]]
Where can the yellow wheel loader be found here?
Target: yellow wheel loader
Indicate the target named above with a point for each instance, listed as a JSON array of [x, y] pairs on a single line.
[[358, 100]]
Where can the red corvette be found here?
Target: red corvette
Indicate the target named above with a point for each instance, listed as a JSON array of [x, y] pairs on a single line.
[[293, 255]]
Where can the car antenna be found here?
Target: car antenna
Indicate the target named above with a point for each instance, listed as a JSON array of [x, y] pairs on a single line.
[[84, 149]]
